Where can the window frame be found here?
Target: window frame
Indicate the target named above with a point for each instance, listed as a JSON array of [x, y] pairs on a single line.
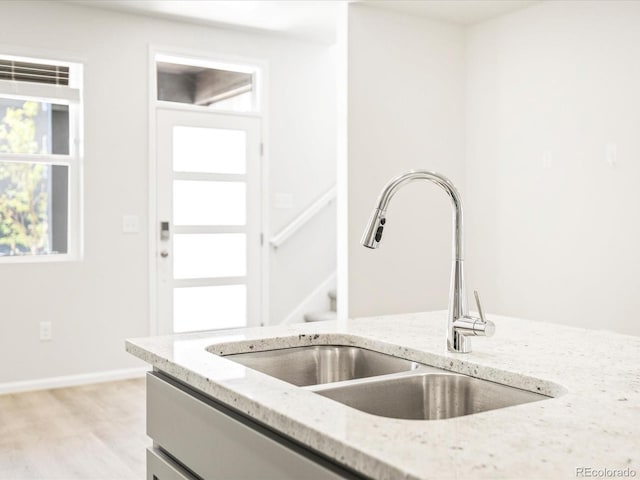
[[71, 96], [255, 68]]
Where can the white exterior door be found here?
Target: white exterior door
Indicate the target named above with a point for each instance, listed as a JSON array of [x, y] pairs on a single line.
[[208, 220]]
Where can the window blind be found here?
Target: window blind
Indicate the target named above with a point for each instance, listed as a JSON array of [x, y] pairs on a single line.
[[34, 72]]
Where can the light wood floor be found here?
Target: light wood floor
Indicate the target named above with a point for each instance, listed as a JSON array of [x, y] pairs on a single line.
[[80, 433]]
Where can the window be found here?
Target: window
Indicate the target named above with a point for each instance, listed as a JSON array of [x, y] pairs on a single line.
[[40, 159], [212, 85]]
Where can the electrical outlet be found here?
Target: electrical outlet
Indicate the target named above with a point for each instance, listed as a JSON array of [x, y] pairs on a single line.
[[46, 331], [130, 224], [611, 154], [283, 201]]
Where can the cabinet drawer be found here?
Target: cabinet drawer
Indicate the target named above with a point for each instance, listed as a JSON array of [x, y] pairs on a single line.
[[161, 467], [219, 444]]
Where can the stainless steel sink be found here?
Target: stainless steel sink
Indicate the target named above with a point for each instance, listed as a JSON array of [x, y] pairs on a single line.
[[322, 363], [428, 396], [384, 385]]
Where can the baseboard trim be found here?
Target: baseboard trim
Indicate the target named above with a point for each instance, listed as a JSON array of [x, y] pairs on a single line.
[[72, 380]]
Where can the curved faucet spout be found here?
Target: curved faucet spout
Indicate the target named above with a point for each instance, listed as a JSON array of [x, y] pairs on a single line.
[[378, 219], [460, 325]]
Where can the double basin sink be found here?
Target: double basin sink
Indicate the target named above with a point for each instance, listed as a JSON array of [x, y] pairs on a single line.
[[382, 384]]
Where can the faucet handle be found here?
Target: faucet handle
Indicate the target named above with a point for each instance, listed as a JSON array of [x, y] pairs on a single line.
[[484, 327], [468, 325], [480, 312]]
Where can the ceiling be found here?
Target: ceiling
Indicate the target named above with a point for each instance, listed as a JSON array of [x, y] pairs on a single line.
[[462, 12], [310, 19]]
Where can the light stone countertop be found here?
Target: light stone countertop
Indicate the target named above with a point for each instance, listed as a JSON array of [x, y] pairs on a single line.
[[593, 421]]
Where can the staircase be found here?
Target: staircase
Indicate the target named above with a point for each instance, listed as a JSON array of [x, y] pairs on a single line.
[[324, 316]]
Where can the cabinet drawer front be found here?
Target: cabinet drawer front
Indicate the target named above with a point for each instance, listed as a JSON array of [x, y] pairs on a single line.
[[161, 467], [219, 445]]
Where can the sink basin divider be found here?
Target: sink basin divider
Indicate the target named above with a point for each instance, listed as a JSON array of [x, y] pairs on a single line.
[[420, 370]]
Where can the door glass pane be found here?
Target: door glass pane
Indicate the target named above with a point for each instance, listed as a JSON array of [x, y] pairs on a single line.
[[209, 150], [209, 255], [206, 308], [209, 203]]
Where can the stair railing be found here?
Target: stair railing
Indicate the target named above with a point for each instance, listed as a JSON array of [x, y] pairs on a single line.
[[297, 223]]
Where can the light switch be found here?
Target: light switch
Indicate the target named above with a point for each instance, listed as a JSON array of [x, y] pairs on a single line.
[[611, 154], [283, 201], [130, 224]]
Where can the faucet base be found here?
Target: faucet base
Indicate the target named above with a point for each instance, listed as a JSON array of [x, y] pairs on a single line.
[[459, 343], [459, 339]]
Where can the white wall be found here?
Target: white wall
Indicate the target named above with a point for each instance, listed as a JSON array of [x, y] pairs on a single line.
[[303, 120], [405, 111], [96, 303], [518, 112], [554, 230]]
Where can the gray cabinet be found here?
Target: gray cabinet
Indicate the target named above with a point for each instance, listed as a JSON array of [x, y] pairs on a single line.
[[161, 467], [196, 437]]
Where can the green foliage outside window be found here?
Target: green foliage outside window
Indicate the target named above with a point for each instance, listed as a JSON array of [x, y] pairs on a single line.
[[24, 192]]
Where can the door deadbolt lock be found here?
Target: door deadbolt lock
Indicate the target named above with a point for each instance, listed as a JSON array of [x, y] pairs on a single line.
[[164, 230]]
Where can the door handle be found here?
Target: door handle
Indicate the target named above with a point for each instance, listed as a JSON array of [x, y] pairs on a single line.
[[164, 254]]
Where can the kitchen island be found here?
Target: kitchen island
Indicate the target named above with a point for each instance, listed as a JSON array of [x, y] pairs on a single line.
[[590, 420]]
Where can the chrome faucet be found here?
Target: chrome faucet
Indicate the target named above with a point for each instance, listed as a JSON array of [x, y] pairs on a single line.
[[460, 324]]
